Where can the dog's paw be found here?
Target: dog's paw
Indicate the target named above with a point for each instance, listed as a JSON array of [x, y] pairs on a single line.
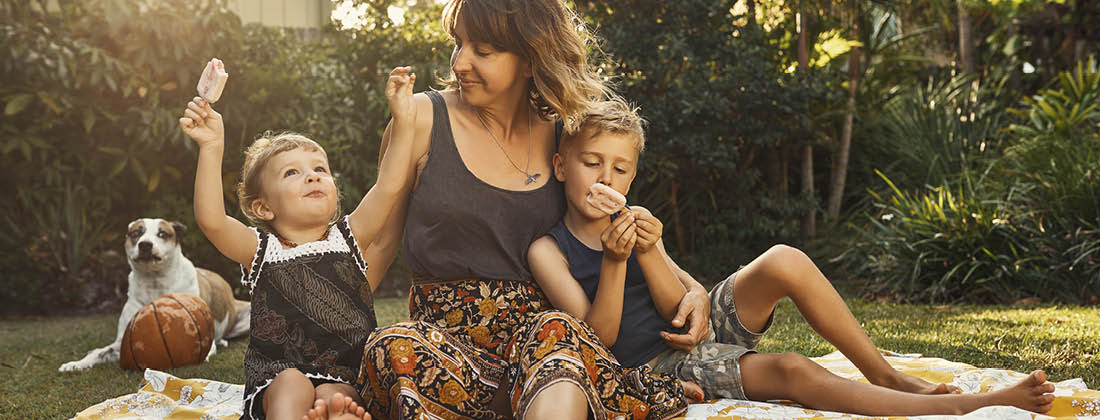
[[223, 342], [72, 367]]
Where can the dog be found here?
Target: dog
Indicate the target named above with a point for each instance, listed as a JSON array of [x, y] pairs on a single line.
[[158, 267]]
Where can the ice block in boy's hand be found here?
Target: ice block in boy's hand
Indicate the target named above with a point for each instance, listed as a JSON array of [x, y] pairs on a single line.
[[213, 80], [605, 198]]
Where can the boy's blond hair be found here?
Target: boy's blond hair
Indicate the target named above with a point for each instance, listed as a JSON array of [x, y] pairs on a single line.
[[615, 116], [256, 157]]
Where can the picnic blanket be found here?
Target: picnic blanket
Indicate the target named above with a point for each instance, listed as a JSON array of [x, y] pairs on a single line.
[[163, 396]]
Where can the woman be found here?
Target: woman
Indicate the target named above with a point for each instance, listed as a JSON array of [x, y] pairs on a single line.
[[483, 336]]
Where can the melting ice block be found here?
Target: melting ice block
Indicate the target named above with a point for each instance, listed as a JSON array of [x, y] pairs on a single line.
[[213, 80], [605, 198]]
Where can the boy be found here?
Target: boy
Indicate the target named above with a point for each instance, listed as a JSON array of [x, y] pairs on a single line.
[[613, 273]]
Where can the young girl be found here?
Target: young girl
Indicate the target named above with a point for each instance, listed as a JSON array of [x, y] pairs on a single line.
[[312, 308]]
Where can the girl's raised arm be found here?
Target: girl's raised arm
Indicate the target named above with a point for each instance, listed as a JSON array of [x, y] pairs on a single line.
[[232, 238]]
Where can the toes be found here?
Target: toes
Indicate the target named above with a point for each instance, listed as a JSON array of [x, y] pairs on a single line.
[[1043, 409], [353, 408], [314, 413], [337, 404], [1038, 377]]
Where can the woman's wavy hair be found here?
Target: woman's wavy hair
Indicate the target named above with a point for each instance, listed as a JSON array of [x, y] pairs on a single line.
[[548, 35], [256, 157]]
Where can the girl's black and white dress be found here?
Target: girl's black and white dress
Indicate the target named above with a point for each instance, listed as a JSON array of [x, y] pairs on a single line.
[[312, 310]]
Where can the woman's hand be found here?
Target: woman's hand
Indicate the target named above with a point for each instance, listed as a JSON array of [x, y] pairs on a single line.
[[694, 312], [201, 123], [399, 93], [692, 392], [619, 238]]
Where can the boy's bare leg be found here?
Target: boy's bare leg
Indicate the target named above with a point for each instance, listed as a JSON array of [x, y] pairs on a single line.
[[289, 396], [783, 271], [563, 400], [336, 407], [794, 377]]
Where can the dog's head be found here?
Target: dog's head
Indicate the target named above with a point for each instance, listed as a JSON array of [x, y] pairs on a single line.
[[152, 242]]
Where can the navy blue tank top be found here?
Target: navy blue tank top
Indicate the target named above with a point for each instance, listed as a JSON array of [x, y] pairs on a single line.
[[639, 337]]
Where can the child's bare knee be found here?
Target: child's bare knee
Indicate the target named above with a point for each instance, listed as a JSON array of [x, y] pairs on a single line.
[[290, 376], [793, 366], [784, 262]]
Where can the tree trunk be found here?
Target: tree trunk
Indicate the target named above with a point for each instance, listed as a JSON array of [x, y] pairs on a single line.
[[809, 220], [966, 44], [773, 168], [751, 12], [840, 168], [784, 154], [673, 200]]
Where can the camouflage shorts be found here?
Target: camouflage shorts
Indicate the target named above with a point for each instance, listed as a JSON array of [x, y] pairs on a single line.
[[714, 363]]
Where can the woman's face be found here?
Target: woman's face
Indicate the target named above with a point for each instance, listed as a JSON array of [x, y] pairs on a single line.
[[486, 74]]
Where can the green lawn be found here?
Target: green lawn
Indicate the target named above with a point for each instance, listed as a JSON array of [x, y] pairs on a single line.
[[1064, 341]]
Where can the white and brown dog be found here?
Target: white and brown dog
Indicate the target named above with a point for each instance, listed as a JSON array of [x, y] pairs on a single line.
[[157, 267]]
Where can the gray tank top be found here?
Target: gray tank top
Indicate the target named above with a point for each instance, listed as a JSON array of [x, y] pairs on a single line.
[[460, 227]]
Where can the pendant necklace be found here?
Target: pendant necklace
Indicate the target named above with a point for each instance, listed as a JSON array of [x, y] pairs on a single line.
[[530, 176]]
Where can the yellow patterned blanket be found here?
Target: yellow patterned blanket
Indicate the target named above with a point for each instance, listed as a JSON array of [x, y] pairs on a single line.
[[163, 396]]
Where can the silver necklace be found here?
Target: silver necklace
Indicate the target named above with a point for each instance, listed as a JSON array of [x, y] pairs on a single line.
[[530, 176]]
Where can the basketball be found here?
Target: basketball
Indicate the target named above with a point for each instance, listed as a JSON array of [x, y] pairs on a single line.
[[173, 330]]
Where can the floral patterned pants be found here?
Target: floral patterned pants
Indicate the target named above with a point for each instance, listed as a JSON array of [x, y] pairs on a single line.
[[470, 337]]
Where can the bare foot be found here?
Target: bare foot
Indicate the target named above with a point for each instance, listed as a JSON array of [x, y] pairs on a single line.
[[339, 407], [1031, 394], [914, 385]]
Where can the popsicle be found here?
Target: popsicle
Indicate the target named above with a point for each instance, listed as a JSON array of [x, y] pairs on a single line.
[[605, 198], [213, 80]]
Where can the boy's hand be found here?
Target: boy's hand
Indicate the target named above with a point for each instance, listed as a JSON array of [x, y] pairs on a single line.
[[649, 229], [619, 238], [399, 93], [202, 123]]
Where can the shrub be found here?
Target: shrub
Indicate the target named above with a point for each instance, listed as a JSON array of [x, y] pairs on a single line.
[[1030, 228], [90, 136]]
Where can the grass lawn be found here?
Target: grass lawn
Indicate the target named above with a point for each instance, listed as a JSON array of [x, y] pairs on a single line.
[[1063, 340]]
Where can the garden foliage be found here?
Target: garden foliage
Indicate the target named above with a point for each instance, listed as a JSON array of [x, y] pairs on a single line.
[[1018, 224], [90, 138], [969, 202]]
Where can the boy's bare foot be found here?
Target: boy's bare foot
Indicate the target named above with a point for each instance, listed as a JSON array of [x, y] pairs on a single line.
[[914, 385], [1031, 394], [337, 408]]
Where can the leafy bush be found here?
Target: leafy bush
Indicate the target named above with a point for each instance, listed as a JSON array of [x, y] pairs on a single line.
[[725, 118], [1029, 229], [90, 139]]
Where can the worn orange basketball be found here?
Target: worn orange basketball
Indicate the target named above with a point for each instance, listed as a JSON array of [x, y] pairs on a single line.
[[173, 330]]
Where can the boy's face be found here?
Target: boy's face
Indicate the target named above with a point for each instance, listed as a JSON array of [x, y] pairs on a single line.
[[607, 158]]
